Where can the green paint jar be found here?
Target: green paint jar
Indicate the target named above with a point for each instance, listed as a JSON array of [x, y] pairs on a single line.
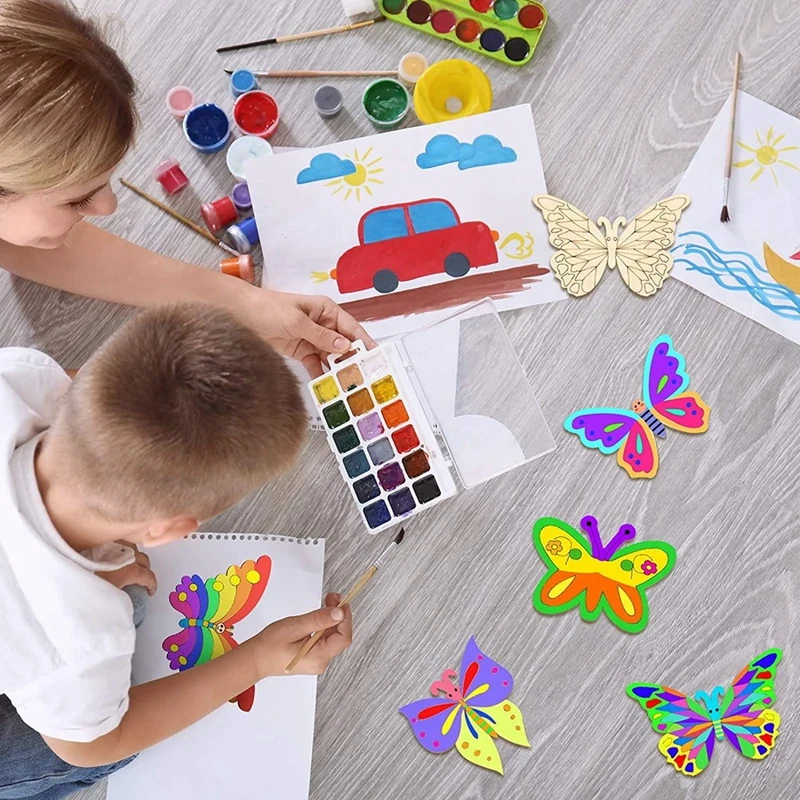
[[386, 102]]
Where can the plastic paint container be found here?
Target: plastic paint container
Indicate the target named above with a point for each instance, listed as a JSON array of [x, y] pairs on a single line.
[[353, 7], [219, 214], [452, 89], [207, 128], [171, 177], [242, 80], [241, 196], [239, 267], [328, 101], [244, 236], [411, 67], [256, 114], [244, 149], [180, 99], [386, 102]]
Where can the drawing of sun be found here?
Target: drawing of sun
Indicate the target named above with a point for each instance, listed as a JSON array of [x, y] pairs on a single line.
[[357, 183], [767, 155]]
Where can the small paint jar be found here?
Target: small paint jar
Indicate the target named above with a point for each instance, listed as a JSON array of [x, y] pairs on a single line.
[[386, 102], [256, 114], [219, 214], [244, 236], [242, 80], [171, 177], [245, 149], [239, 267], [180, 99], [241, 196], [411, 67], [207, 128], [328, 101], [353, 7]]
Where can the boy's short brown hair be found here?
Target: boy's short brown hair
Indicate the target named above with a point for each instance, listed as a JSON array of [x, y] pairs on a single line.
[[182, 412]]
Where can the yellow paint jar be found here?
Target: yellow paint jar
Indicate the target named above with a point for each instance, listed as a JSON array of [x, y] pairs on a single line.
[[452, 89]]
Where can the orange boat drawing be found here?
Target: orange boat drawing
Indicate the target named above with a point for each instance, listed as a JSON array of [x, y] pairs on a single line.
[[783, 272]]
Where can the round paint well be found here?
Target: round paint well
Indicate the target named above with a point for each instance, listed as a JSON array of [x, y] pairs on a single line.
[[207, 128], [517, 49], [443, 21], [411, 67], [328, 101], [531, 17], [243, 150], [242, 80], [419, 12], [506, 9], [468, 30], [180, 99], [492, 40], [386, 102], [481, 6], [256, 114], [393, 6]]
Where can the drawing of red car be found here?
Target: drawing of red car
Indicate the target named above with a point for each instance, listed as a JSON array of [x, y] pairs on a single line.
[[410, 240]]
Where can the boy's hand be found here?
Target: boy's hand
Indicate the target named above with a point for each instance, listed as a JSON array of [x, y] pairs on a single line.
[[136, 574], [280, 642]]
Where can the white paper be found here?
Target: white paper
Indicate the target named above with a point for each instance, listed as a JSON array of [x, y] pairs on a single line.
[[306, 227], [265, 752], [727, 261]]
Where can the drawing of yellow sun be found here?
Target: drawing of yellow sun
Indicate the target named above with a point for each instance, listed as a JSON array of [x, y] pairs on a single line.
[[767, 155], [359, 181]]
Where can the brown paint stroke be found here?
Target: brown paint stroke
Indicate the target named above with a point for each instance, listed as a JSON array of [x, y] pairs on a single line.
[[446, 294]]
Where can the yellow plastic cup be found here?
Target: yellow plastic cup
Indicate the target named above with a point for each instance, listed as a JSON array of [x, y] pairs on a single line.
[[452, 89]]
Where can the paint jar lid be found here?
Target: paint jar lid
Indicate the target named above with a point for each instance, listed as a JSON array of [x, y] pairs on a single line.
[[411, 67], [244, 149], [242, 80], [179, 100], [164, 166], [328, 100], [477, 392], [353, 7]]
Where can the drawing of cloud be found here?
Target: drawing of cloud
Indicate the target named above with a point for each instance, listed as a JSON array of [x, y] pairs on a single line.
[[324, 167], [442, 149], [483, 152]]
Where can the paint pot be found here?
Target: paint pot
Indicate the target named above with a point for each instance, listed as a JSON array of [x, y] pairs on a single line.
[[239, 267], [386, 102], [353, 7], [180, 99], [207, 128], [242, 80], [219, 214], [256, 114], [241, 196], [244, 236], [171, 177], [492, 40], [328, 101], [451, 89], [243, 150], [531, 17], [411, 67]]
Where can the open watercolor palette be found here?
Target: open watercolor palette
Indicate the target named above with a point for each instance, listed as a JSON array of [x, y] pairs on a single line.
[[507, 30], [400, 416]]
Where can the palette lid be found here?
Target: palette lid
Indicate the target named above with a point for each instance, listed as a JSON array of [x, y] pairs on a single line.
[[477, 392]]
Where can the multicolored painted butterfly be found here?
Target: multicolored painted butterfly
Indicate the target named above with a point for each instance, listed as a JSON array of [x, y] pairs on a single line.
[[598, 577], [743, 715], [471, 717], [631, 433], [210, 609]]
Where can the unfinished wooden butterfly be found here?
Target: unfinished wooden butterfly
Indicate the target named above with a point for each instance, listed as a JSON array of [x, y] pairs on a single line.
[[639, 249]]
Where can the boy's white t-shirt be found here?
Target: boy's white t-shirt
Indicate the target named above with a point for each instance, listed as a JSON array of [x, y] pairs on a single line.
[[68, 635]]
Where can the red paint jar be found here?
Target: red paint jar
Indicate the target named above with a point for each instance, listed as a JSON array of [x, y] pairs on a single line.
[[170, 175], [256, 114], [219, 214]]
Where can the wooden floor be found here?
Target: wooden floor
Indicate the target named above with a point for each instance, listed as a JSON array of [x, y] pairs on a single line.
[[623, 92]]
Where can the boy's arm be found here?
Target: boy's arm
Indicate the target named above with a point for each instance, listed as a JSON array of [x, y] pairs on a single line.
[[162, 708]]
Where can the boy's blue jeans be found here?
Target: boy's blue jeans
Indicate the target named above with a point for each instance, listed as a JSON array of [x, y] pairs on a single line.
[[28, 767]]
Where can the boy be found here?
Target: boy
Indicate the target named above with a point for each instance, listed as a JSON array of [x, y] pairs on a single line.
[[178, 416]]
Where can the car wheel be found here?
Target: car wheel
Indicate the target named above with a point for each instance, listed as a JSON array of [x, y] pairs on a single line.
[[456, 265], [385, 281]]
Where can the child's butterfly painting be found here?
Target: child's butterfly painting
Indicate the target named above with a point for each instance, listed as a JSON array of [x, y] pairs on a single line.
[[210, 609], [744, 715], [470, 714], [597, 577], [665, 404], [639, 250]]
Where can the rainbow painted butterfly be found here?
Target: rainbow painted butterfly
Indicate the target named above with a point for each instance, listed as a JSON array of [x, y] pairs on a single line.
[[631, 434], [210, 609], [471, 717], [743, 715]]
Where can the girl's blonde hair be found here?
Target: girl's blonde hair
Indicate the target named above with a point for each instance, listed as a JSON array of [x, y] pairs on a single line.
[[66, 98]]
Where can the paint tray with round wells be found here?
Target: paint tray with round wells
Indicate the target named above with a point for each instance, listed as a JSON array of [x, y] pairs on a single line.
[[507, 30], [412, 418]]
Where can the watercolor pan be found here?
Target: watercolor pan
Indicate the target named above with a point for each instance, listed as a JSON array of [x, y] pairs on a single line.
[[506, 30]]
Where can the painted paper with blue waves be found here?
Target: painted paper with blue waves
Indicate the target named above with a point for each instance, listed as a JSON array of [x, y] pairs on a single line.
[[736, 271]]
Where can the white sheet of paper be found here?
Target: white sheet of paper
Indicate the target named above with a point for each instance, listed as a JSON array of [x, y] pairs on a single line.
[[726, 261], [265, 752], [306, 227]]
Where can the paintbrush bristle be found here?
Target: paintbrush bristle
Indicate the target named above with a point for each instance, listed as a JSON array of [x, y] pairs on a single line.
[[725, 216], [400, 536]]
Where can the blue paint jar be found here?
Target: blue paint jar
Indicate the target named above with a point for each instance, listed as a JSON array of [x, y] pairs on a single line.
[[207, 128], [244, 235], [242, 80]]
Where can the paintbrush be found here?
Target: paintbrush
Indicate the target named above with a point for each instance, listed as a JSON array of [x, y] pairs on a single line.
[[724, 215], [358, 587], [322, 73], [175, 215], [295, 36]]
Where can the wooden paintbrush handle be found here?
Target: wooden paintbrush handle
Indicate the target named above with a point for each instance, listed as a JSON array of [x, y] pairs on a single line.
[[734, 97], [311, 34]]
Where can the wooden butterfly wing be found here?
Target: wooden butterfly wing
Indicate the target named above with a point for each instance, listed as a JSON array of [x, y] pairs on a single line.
[[582, 254], [643, 253]]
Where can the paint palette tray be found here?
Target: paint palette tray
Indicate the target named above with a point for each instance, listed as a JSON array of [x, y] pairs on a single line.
[[401, 417], [507, 30]]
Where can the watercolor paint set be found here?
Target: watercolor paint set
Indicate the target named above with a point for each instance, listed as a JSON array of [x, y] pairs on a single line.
[[401, 417], [507, 30]]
